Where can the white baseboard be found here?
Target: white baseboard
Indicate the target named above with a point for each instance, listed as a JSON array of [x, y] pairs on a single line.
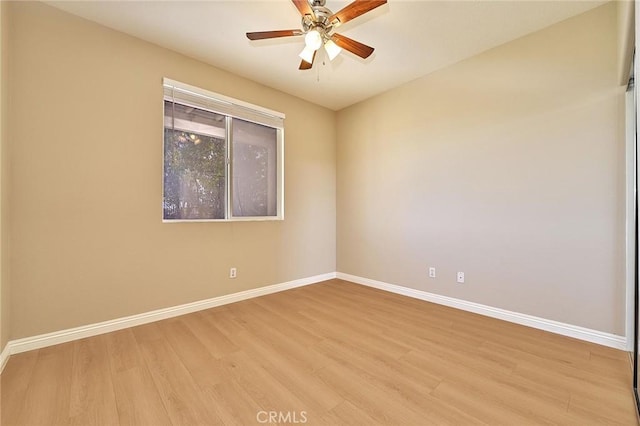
[[589, 335], [63, 336], [4, 357]]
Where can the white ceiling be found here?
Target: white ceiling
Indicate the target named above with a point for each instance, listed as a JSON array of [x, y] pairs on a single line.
[[411, 38]]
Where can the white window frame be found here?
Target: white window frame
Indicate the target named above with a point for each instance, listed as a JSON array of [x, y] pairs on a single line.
[[230, 108]]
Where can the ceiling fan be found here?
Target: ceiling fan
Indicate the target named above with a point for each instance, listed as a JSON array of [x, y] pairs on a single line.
[[318, 24]]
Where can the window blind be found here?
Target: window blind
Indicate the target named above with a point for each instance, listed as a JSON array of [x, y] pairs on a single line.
[[199, 98]]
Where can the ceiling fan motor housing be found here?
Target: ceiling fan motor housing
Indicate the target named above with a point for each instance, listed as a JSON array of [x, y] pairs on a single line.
[[320, 22]]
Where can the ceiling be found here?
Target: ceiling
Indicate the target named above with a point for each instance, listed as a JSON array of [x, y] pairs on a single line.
[[411, 38]]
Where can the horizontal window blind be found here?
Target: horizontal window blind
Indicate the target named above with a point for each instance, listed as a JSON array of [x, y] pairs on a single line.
[[185, 94]]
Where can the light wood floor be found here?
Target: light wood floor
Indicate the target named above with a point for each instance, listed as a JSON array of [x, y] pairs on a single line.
[[330, 353]]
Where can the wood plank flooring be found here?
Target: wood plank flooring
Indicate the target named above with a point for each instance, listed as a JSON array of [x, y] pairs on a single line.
[[327, 354]]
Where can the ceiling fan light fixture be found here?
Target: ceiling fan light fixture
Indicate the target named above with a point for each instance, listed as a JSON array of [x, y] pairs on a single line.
[[332, 49], [307, 54], [313, 39]]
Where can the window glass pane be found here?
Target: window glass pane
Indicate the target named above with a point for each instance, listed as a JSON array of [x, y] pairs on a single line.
[[254, 169], [194, 163]]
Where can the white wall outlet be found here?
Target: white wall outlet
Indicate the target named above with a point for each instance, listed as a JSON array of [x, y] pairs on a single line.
[[460, 277], [432, 272], [233, 272]]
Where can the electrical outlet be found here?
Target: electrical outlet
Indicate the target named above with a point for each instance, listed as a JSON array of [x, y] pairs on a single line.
[[432, 272], [233, 272], [460, 277]]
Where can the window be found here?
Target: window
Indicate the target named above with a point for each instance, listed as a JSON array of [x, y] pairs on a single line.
[[223, 158]]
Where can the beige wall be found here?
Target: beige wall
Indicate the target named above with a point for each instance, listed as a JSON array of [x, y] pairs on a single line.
[[626, 34], [508, 166], [4, 193], [87, 239]]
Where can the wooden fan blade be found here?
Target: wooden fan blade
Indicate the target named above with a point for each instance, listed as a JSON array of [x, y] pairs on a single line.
[[304, 7], [261, 35], [355, 9], [353, 46], [304, 65]]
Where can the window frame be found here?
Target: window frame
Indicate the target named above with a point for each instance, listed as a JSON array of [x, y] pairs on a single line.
[[230, 108]]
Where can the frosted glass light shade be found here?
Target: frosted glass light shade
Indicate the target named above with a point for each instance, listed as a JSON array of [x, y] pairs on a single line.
[[307, 54], [313, 40], [332, 49]]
